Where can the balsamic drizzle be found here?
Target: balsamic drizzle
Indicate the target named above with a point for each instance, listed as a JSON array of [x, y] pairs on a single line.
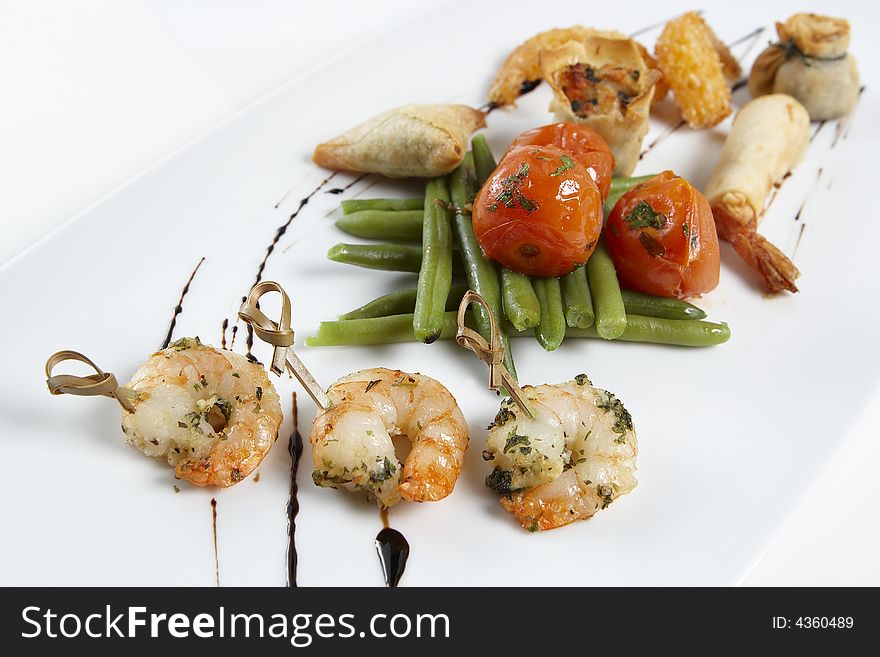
[[179, 307], [214, 523], [295, 447], [663, 135], [393, 551], [279, 233], [342, 190], [754, 34], [223, 328], [798, 243]]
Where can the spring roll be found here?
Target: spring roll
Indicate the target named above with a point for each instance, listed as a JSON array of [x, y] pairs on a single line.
[[769, 137], [810, 62], [420, 141], [604, 83]]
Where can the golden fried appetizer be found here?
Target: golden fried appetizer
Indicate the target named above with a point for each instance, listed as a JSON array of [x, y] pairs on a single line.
[[521, 71], [420, 141], [769, 136], [810, 62], [602, 82], [696, 65]]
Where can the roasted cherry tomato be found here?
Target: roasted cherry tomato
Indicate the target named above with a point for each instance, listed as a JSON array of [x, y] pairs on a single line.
[[661, 237], [539, 213], [579, 141]]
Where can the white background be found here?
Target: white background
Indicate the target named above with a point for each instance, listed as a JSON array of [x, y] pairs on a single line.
[[95, 91]]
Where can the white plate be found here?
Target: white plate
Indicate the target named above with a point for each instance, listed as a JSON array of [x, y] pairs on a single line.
[[730, 437]]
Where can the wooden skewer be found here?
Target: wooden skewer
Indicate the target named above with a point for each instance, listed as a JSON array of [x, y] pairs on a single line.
[[280, 336], [491, 353], [101, 383]]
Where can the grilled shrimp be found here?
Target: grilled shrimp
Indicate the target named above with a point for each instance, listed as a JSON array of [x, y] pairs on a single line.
[[212, 414], [352, 441], [574, 458]]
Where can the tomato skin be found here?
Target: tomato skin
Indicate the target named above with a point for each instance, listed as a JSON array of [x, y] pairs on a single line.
[[678, 259], [579, 141], [543, 223]]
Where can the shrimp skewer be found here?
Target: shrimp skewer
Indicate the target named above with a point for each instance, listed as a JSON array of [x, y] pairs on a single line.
[[573, 459], [361, 413], [560, 452], [210, 413]]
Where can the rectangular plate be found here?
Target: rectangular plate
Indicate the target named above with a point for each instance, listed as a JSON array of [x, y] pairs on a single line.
[[730, 437]]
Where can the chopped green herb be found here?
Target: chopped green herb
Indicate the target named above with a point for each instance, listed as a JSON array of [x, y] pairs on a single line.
[[582, 380], [567, 163], [514, 439], [622, 418], [386, 472], [606, 494], [511, 196], [502, 417], [500, 480], [195, 418], [644, 216]]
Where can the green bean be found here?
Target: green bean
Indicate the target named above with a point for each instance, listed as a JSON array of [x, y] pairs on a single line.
[[435, 274], [607, 302], [484, 161], [637, 303], [577, 299], [481, 274], [398, 328], [403, 225], [658, 330], [518, 298], [619, 187], [550, 331], [375, 330], [350, 206], [388, 257], [399, 302]]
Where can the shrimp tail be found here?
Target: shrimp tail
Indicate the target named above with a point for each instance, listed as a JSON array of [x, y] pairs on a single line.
[[551, 505], [431, 470], [777, 271]]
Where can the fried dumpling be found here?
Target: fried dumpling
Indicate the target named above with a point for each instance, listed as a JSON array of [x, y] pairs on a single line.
[[604, 83], [420, 141], [811, 63]]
